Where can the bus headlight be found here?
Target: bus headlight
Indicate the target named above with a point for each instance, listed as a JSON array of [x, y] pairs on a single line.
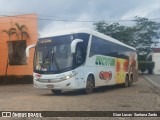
[[66, 77], [69, 76]]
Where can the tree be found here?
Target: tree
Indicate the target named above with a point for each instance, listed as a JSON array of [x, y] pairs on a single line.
[[146, 65], [9, 32], [115, 30], [142, 35], [142, 66], [21, 31], [22, 35], [18, 57], [146, 32]]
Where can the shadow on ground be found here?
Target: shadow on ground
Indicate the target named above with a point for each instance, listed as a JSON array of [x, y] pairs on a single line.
[[81, 92]]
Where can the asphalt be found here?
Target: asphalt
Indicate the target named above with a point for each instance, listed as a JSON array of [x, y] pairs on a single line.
[[154, 79]]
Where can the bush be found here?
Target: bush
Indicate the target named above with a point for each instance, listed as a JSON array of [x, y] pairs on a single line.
[[146, 65], [150, 67]]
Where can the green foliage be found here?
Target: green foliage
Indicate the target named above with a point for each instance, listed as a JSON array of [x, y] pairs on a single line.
[[141, 35], [146, 32], [146, 65], [142, 66], [115, 30]]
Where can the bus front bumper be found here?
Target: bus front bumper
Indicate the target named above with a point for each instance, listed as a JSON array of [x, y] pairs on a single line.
[[68, 84]]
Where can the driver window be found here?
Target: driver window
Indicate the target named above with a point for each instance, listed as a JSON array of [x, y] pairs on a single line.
[[79, 56]]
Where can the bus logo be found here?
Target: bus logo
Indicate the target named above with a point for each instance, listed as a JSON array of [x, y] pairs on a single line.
[[104, 75], [105, 61]]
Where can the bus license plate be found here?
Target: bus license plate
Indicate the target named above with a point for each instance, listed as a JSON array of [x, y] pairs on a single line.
[[50, 86]]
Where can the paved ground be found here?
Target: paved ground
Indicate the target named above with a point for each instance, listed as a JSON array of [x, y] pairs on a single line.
[[155, 79], [142, 96]]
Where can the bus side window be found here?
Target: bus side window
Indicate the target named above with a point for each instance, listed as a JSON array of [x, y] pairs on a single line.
[[94, 47], [92, 50], [79, 55]]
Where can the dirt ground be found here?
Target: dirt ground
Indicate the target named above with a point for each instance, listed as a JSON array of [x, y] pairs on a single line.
[[141, 96]]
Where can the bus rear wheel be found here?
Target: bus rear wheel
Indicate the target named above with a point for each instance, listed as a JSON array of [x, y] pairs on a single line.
[[126, 84], [89, 85], [130, 80], [56, 92]]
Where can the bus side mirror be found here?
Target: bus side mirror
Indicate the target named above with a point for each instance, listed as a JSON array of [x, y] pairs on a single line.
[[27, 50], [74, 43]]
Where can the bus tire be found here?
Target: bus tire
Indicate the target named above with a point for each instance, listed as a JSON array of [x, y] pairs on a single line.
[[56, 92], [89, 84], [130, 80], [126, 84]]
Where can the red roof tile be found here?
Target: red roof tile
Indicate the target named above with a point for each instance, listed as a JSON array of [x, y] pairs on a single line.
[[156, 50]]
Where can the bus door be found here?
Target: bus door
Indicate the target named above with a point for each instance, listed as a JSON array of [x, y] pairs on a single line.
[[79, 60]]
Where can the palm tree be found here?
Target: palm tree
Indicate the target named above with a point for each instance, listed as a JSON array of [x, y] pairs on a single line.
[[22, 34], [9, 32], [21, 31]]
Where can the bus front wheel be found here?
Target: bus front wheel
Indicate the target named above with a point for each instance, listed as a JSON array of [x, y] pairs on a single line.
[[56, 92], [89, 84]]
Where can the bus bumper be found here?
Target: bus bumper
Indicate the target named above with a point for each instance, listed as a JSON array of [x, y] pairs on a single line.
[[69, 84]]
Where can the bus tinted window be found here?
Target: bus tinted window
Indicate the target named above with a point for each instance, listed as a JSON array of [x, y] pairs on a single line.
[[107, 48]]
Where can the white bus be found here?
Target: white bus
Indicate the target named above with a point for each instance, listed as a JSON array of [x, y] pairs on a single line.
[[82, 59]]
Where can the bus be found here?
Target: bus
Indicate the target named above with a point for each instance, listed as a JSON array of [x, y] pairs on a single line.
[[82, 59]]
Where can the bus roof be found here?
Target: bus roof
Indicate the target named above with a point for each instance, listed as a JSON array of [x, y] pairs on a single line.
[[89, 31]]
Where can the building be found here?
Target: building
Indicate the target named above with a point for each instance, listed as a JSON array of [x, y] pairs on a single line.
[[155, 57], [13, 42]]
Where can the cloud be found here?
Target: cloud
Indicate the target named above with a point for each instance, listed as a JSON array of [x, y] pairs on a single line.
[[79, 10], [141, 12], [55, 27]]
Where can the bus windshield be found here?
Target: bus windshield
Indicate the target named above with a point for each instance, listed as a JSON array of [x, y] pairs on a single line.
[[51, 58], [53, 55]]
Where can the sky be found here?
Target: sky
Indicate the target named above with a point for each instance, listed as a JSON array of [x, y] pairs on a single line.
[[80, 10]]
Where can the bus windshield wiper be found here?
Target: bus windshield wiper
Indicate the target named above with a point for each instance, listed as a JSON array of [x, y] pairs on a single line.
[[54, 59], [51, 58], [45, 60]]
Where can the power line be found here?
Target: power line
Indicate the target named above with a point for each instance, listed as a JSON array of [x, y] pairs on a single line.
[[67, 20], [20, 13], [72, 20]]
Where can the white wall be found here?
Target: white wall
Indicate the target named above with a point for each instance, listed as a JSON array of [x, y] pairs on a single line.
[[156, 59]]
